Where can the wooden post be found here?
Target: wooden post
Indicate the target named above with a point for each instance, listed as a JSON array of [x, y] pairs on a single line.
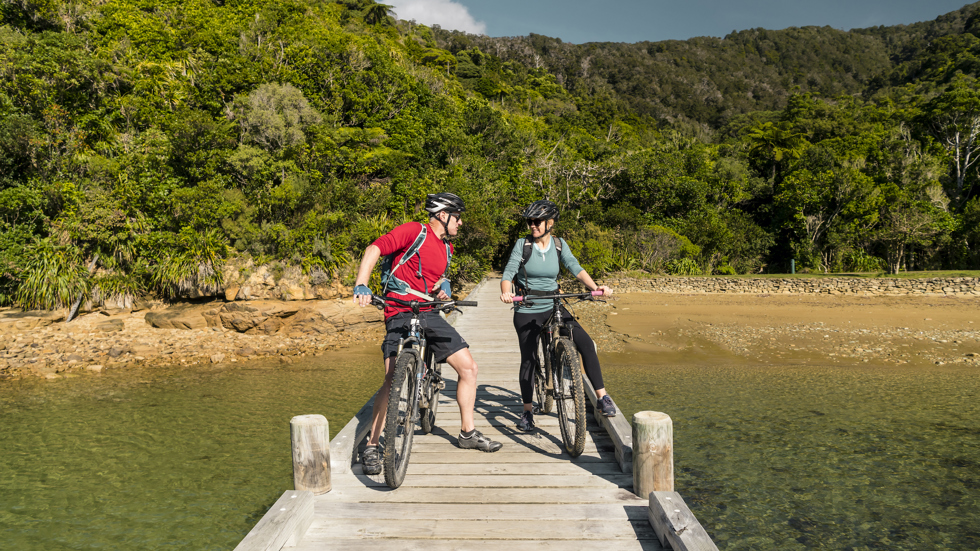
[[653, 453], [310, 435]]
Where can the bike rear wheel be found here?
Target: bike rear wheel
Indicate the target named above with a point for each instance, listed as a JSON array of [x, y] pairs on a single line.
[[432, 389], [542, 373], [570, 396], [401, 417]]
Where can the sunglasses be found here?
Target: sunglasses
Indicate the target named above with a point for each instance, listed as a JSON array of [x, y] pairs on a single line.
[[535, 222], [455, 215]]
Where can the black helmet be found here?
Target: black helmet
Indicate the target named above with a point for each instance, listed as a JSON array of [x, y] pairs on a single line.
[[438, 202], [542, 209]]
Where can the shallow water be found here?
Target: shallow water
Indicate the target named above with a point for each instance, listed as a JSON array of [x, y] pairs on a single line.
[[806, 457], [185, 458], [768, 458]]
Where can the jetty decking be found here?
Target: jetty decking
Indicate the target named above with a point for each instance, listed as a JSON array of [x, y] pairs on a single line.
[[527, 495]]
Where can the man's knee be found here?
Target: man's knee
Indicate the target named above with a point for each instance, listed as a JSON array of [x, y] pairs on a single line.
[[469, 369]]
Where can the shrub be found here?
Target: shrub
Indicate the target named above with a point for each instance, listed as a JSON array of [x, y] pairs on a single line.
[[683, 266], [55, 276]]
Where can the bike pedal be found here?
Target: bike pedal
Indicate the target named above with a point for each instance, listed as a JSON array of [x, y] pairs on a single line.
[[441, 385]]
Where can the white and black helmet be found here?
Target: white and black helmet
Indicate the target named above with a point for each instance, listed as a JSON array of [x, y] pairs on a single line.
[[438, 202], [542, 209]]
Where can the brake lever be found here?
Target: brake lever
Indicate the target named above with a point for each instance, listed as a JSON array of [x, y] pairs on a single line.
[[450, 308]]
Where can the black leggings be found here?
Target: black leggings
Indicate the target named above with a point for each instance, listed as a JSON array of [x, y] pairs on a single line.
[[528, 328]]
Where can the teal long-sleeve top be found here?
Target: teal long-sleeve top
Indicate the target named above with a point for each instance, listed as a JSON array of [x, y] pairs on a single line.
[[542, 270]]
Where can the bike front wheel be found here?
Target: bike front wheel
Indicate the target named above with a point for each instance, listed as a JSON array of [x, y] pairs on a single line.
[[570, 396], [400, 420]]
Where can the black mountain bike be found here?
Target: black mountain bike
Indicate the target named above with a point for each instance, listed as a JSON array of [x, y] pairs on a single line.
[[558, 373], [415, 387]]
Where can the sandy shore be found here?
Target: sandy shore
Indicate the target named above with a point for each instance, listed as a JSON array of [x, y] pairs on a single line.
[[806, 329]]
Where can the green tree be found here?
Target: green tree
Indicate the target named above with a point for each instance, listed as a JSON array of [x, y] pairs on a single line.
[[953, 119]]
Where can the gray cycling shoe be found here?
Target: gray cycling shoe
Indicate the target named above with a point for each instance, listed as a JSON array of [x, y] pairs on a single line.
[[371, 460], [478, 442], [607, 407], [526, 424]]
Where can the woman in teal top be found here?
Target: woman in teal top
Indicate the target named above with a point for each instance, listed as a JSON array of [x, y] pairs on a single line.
[[540, 275]]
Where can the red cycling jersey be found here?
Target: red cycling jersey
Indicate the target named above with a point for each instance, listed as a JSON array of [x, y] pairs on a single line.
[[432, 254]]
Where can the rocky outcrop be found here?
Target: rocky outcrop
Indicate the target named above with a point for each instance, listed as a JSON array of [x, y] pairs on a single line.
[[246, 281], [267, 317], [13, 319], [179, 317]]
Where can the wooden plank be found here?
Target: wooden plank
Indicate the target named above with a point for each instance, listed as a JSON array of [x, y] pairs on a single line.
[[504, 456], [285, 523], [540, 469], [478, 529], [675, 524], [500, 481], [398, 544], [497, 511], [541, 446], [484, 495]]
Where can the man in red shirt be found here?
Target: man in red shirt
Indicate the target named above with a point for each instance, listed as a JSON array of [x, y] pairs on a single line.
[[423, 273]]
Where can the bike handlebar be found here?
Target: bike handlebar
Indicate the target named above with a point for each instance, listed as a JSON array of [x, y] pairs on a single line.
[[588, 294], [375, 299]]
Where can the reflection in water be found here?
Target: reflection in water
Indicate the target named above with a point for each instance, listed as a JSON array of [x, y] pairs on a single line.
[[182, 458], [819, 458]]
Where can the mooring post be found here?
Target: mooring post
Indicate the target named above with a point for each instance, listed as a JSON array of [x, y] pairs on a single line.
[[310, 436], [653, 453]]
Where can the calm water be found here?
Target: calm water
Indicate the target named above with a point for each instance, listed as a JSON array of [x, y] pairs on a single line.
[[155, 459], [819, 458], [788, 458]]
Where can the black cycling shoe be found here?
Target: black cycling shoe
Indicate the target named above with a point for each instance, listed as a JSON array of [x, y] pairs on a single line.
[[607, 407], [371, 460], [526, 424]]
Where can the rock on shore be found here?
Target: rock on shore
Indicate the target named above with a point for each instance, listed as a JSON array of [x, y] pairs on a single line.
[[42, 344]]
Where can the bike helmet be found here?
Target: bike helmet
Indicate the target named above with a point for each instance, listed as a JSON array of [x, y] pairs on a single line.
[[542, 209], [438, 202]]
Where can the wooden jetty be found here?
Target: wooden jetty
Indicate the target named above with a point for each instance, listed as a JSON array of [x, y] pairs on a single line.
[[527, 495]]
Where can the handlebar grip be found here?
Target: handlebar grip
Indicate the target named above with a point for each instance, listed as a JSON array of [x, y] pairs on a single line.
[[597, 293], [466, 303], [518, 299]]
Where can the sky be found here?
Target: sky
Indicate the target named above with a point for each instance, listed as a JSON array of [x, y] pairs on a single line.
[[579, 21]]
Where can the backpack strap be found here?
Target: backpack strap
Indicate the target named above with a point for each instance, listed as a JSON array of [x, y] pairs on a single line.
[[392, 281], [413, 249]]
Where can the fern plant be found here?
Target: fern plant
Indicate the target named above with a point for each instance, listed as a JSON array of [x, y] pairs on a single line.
[[54, 277]]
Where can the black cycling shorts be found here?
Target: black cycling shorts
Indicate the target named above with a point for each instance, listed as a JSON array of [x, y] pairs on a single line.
[[442, 339]]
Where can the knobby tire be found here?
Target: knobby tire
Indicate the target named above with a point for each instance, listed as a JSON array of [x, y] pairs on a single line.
[[400, 419], [570, 395]]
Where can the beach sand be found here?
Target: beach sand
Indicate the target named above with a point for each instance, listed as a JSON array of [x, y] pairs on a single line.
[[805, 329]]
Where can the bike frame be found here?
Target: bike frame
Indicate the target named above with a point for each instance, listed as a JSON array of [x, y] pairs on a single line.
[[551, 327]]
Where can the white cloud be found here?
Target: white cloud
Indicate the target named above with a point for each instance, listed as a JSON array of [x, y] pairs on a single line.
[[445, 13]]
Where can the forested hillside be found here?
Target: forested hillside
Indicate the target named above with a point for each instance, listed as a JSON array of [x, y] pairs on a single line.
[[144, 144]]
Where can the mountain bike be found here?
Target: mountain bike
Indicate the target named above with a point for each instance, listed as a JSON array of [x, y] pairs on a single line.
[[415, 387], [558, 373]]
